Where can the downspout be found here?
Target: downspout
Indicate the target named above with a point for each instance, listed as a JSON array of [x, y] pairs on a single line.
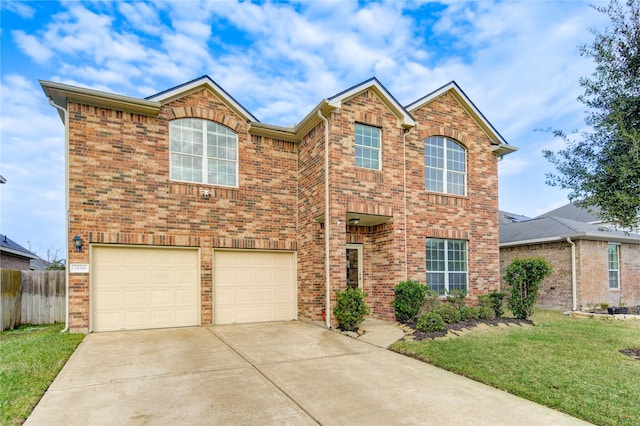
[[574, 289], [66, 199], [404, 193], [327, 223]]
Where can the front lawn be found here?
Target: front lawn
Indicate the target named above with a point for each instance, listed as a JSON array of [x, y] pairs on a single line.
[[570, 364], [32, 357]]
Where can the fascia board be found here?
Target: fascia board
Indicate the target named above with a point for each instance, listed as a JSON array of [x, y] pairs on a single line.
[[406, 120], [18, 253], [204, 82], [294, 134], [62, 93]]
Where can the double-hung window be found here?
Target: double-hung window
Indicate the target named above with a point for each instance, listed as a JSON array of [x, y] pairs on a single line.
[[447, 268], [614, 266], [203, 151], [445, 162], [367, 146]]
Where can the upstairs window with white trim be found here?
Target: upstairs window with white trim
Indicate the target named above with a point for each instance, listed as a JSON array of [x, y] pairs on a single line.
[[367, 146], [204, 152], [614, 266], [447, 268], [445, 163]]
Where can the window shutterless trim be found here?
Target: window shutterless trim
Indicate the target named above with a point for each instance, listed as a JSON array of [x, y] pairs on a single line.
[[378, 150]]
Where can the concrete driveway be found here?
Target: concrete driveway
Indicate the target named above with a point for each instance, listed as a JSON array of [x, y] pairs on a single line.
[[258, 374]]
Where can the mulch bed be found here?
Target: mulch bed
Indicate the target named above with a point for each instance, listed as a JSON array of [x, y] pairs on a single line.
[[421, 335]]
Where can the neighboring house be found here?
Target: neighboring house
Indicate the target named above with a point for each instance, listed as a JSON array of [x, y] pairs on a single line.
[[190, 211], [592, 263], [39, 264], [14, 256]]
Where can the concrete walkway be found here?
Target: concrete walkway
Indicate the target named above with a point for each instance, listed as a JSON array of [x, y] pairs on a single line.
[[260, 374]]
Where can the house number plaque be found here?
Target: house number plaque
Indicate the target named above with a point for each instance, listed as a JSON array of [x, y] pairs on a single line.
[[79, 268]]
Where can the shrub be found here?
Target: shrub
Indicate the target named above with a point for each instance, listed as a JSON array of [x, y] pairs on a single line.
[[350, 308], [468, 313], [457, 298], [486, 313], [449, 313], [410, 297], [432, 301], [495, 301], [430, 321], [524, 277]]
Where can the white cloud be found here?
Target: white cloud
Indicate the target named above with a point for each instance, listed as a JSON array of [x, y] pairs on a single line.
[[19, 8], [31, 46]]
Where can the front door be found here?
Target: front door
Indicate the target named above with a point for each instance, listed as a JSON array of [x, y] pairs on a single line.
[[354, 265]]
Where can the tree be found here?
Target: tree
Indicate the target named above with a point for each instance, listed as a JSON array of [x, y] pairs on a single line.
[[524, 277], [602, 166]]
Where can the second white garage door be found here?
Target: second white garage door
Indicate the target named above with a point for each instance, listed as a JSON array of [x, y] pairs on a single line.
[[253, 286]]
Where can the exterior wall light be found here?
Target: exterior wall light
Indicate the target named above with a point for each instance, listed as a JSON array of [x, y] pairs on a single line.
[[77, 242], [354, 221]]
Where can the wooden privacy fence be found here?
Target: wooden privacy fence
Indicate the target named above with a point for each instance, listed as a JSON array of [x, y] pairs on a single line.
[[31, 297]]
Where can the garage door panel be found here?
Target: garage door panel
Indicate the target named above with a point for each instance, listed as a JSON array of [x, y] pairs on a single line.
[[253, 286], [144, 287]]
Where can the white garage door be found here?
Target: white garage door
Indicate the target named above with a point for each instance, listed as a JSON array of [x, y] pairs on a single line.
[[253, 286], [144, 287]]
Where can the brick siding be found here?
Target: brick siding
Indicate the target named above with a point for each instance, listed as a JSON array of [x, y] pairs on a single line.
[[120, 193]]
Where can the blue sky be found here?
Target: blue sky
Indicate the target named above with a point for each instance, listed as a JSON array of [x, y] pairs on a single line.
[[518, 62]]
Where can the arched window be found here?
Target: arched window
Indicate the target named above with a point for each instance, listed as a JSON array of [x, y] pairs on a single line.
[[445, 166], [203, 151]]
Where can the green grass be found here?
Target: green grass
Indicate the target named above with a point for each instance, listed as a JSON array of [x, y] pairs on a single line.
[[32, 356], [569, 364]]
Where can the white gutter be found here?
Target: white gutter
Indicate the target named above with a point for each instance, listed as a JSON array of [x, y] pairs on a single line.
[[66, 199], [327, 223], [574, 290]]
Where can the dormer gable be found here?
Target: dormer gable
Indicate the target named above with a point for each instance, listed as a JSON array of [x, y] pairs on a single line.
[[405, 119]]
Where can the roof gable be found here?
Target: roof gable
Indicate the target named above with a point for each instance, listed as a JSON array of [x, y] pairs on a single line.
[[501, 147], [406, 120], [204, 82]]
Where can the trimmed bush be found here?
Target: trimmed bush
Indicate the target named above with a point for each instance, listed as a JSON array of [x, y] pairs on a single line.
[[524, 277], [468, 313], [495, 300], [449, 313], [410, 297], [350, 308], [486, 313], [430, 321]]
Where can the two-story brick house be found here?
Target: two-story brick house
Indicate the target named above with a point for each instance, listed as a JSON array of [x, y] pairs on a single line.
[[189, 211]]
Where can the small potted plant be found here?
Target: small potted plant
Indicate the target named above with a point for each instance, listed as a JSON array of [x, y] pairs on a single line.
[[604, 306]]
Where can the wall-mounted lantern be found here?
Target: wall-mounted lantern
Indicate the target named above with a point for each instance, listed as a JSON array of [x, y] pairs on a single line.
[[77, 242]]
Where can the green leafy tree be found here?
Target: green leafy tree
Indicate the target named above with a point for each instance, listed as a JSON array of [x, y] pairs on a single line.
[[524, 277], [601, 167], [57, 265]]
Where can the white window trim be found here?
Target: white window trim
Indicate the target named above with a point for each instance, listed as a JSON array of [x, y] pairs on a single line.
[[379, 150], [446, 264], [205, 165], [609, 266], [445, 169]]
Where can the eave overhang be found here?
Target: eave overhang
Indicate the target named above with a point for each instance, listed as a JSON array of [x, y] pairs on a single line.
[[61, 94], [574, 237]]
